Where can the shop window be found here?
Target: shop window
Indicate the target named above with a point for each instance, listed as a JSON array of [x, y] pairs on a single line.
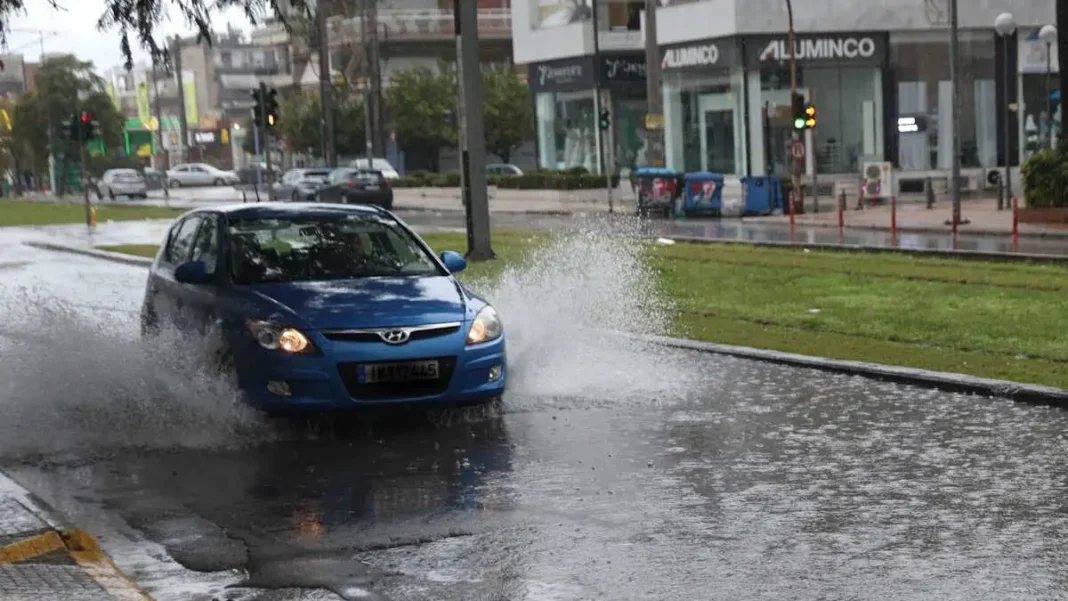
[[704, 128], [921, 68], [567, 134]]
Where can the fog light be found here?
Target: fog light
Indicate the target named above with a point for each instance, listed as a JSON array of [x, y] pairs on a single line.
[[495, 373], [279, 387]]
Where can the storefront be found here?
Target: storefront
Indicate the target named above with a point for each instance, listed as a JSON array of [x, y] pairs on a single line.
[[704, 107], [1040, 94], [567, 123], [212, 147]]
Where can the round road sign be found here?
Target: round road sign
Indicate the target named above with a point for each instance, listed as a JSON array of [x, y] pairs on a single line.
[[797, 150]]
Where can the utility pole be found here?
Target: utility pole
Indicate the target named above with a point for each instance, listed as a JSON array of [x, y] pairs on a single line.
[[654, 135], [48, 111], [795, 178], [375, 71], [159, 128], [182, 123], [602, 134], [954, 179], [326, 104], [368, 85], [82, 125], [472, 132], [1062, 57], [266, 139]]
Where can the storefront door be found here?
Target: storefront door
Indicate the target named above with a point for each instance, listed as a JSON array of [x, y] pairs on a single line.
[[780, 131], [719, 122]]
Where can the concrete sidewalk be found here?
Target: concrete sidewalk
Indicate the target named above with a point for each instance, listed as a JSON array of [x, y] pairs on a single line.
[[982, 216], [42, 559]]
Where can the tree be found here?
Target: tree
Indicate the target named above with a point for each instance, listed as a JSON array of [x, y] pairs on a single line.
[[509, 111], [422, 106], [28, 135]]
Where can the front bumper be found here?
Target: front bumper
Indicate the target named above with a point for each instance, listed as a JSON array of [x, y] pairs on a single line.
[[127, 190], [326, 382]]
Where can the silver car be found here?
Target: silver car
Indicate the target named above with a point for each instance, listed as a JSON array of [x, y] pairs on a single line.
[[300, 185], [122, 182], [199, 174]]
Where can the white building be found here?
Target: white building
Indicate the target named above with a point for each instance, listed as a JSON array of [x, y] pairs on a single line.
[[726, 82]]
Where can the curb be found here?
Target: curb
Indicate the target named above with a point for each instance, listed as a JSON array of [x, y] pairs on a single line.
[[919, 252], [930, 230], [950, 382], [77, 543], [1015, 391], [92, 252]]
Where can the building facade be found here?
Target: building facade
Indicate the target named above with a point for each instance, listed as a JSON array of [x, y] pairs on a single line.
[[877, 71]]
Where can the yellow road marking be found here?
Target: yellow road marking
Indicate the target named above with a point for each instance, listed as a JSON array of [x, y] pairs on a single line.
[[28, 548], [88, 554]]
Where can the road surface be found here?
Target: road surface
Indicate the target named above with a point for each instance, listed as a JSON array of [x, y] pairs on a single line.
[[611, 472]]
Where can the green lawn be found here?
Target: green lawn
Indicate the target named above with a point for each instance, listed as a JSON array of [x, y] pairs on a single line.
[[16, 212], [999, 320]]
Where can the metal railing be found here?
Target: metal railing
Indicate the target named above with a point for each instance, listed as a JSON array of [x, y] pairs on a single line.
[[424, 24]]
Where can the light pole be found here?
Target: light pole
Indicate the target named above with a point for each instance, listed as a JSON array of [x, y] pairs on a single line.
[[1005, 25], [1048, 34]]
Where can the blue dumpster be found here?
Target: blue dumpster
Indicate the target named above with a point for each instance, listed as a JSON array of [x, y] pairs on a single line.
[[703, 194], [658, 189], [763, 195]]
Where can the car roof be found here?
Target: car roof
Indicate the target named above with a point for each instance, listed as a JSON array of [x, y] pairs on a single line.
[[268, 210]]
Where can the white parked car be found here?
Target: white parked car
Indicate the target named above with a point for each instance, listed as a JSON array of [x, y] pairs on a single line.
[[380, 165], [121, 182], [199, 174]]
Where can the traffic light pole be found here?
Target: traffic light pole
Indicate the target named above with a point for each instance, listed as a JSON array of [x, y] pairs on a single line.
[[82, 125], [795, 180], [266, 138], [603, 162]]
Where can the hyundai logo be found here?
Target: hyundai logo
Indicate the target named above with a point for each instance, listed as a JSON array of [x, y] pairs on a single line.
[[394, 336]]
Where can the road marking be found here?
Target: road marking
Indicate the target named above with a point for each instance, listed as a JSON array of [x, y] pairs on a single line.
[[29, 548], [88, 554]]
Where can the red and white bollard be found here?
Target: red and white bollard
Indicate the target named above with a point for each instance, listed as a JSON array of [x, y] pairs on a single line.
[[1015, 224]]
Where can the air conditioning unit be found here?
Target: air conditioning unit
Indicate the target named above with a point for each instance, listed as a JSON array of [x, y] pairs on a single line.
[[991, 177], [877, 180]]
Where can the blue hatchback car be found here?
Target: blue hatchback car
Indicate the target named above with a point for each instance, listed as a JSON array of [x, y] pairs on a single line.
[[321, 307]]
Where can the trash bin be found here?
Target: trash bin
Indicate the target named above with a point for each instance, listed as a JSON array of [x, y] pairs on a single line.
[[763, 195], [658, 189], [703, 194]]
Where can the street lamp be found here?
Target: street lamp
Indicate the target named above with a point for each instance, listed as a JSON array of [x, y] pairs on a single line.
[[1048, 34], [1005, 25]]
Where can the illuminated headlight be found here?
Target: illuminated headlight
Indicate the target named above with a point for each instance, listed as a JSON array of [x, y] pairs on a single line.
[[486, 327], [275, 336]]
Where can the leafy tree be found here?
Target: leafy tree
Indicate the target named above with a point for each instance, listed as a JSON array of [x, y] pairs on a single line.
[[300, 127], [28, 137], [422, 105], [509, 111]]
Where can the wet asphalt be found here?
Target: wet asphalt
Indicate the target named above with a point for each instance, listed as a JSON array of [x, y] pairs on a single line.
[[643, 474]]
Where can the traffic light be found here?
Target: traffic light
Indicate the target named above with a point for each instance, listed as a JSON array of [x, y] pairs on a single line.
[[89, 127], [257, 107], [72, 129], [810, 116], [604, 120], [271, 107], [798, 111]]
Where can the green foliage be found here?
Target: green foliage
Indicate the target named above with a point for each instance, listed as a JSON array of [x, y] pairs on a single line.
[[420, 103], [299, 125], [1045, 179], [508, 109]]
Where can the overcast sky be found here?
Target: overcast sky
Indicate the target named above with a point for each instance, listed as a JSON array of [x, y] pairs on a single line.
[[73, 30]]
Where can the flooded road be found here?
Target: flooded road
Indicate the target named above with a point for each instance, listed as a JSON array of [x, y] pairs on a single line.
[[609, 472]]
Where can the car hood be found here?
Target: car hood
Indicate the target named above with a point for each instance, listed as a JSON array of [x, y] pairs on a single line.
[[367, 302]]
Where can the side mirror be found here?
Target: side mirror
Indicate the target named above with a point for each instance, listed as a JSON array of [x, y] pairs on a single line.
[[454, 261], [192, 272]]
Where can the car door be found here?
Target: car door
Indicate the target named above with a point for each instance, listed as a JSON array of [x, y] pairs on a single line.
[[198, 310], [331, 191], [201, 176], [165, 292]]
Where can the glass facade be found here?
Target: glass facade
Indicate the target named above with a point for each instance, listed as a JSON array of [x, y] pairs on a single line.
[[567, 130], [1039, 96], [704, 126], [920, 63], [629, 127]]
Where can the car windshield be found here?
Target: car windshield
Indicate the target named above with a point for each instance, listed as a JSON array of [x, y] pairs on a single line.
[[331, 247]]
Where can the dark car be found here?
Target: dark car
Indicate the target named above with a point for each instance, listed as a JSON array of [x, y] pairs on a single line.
[[357, 186], [300, 185]]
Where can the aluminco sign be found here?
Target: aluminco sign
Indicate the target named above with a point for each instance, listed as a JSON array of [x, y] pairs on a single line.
[[820, 48], [690, 56]]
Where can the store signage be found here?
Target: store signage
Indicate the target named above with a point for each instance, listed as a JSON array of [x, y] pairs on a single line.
[[623, 68], [698, 55], [848, 48], [564, 75], [204, 137]]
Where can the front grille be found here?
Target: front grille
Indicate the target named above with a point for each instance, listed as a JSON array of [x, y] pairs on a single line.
[[365, 336], [395, 390]]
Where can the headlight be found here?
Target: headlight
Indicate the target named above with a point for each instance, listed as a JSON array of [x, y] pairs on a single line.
[[486, 327], [275, 336]]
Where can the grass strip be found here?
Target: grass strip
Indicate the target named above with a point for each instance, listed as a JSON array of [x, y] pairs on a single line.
[[25, 213]]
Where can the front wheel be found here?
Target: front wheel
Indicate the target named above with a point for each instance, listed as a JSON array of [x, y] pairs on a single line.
[[175, 183]]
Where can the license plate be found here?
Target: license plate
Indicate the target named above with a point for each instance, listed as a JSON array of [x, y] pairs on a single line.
[[371, 187], [400, 372]]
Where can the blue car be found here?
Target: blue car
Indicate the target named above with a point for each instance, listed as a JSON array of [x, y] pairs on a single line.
[[322, 307]]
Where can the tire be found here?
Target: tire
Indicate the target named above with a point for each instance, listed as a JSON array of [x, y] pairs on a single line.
[[219, 182], [295, 197], [175, 184], [111, 194]]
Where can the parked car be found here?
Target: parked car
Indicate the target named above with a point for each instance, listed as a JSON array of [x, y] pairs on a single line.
[[199, 174], [503, 169], [356, 186], [313, 308], [381, 165], [121, 182], [301, 184]]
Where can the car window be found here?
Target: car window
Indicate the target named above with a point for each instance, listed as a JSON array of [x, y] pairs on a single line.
[[315, 175], [381, 164], [182, 240], [291, 176], [206, 246], [325, 247], [339, 175]]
